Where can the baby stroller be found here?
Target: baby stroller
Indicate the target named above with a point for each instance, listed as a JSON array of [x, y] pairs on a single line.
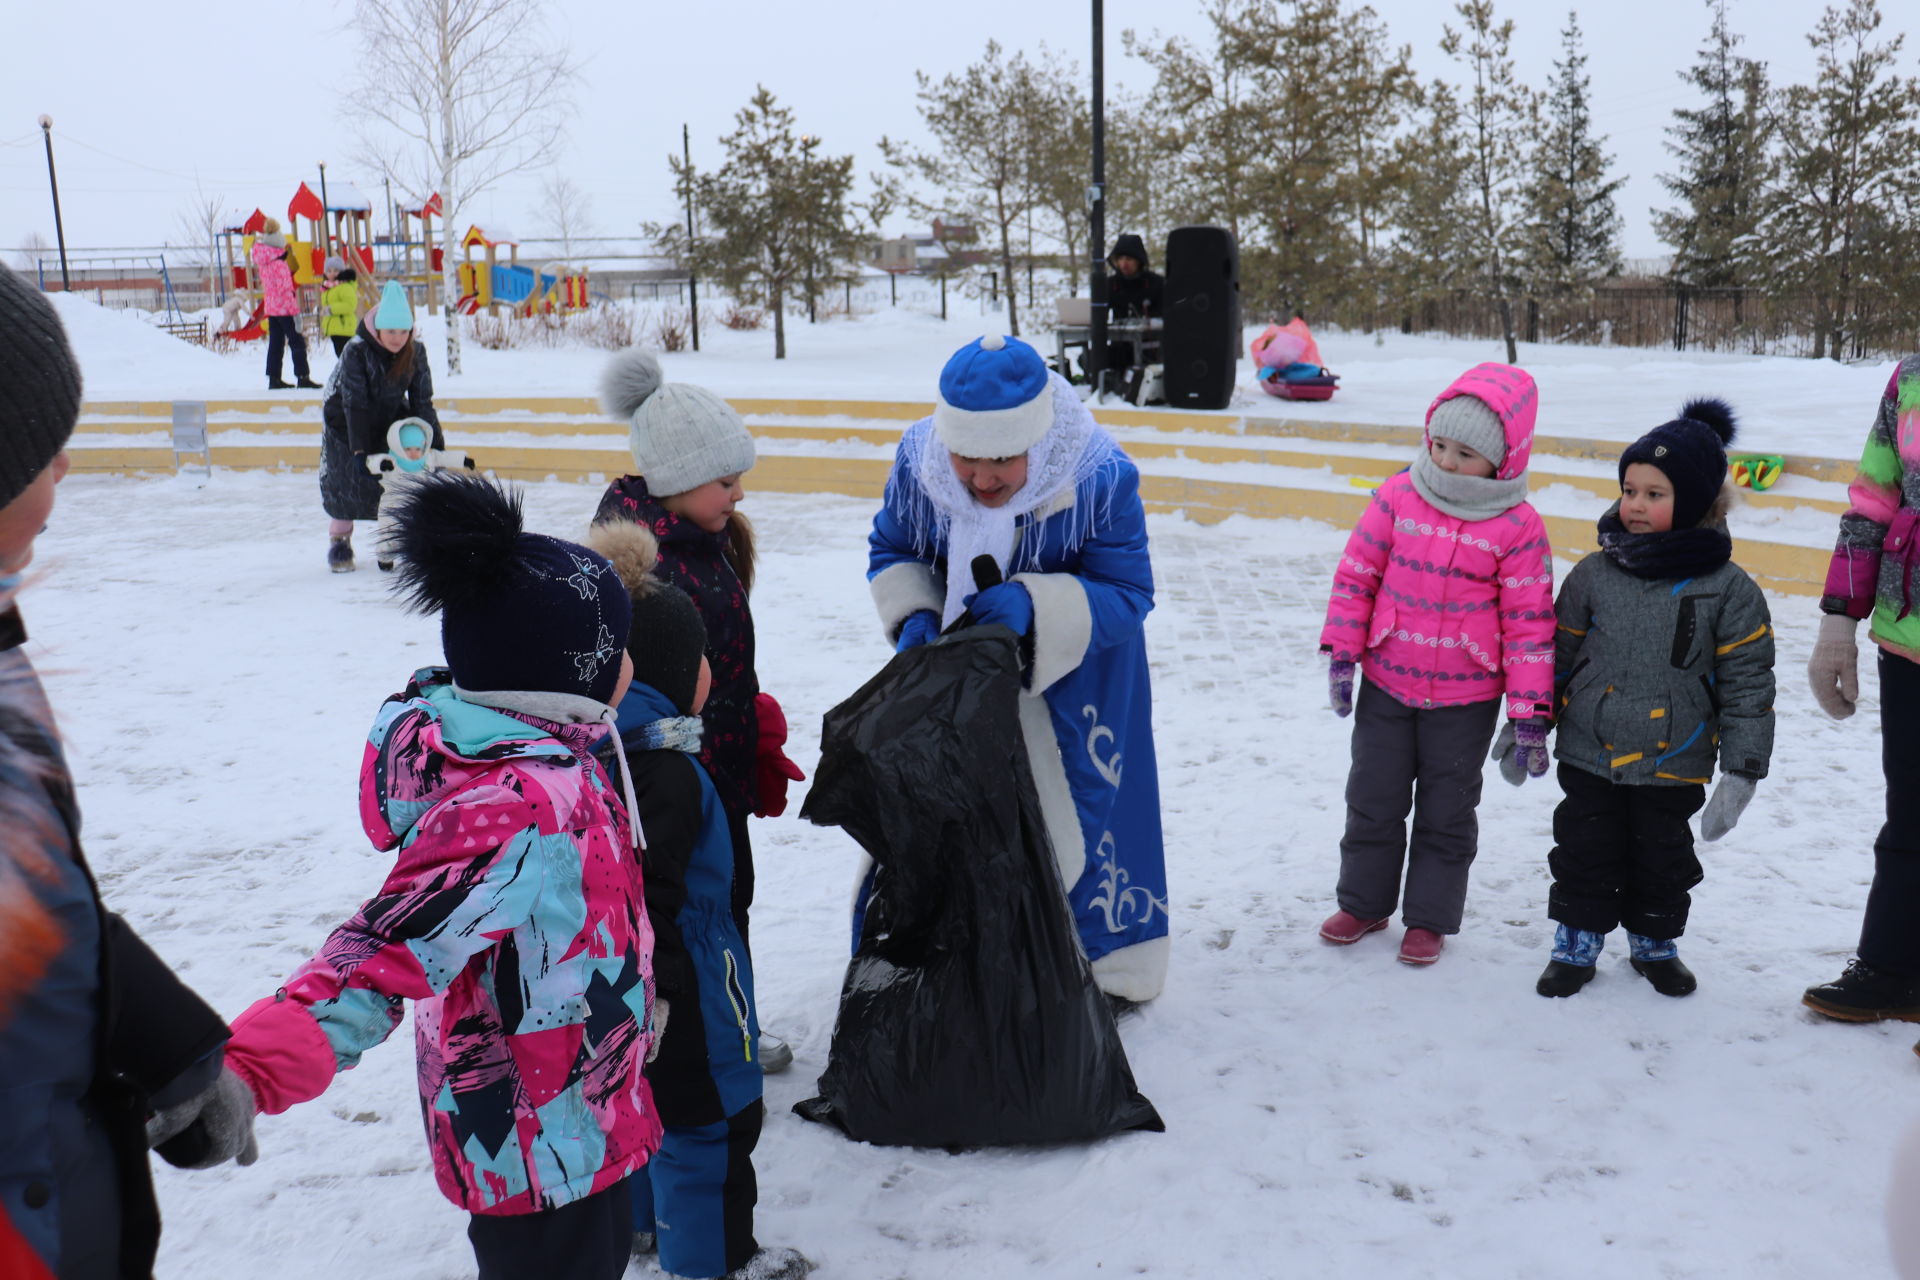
[[1289, 365]]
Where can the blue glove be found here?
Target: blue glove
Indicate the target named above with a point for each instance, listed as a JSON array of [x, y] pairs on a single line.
[[1007, 604], [918, 629]]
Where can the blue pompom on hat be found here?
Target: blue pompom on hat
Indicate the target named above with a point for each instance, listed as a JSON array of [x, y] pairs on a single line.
[[995, 399], [1691, 451], [393, 312]]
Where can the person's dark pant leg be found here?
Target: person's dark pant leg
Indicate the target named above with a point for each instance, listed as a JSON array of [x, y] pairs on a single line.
[[277, 329], [1451, 744], [1662, 865], [298, 341], [1890, 934], [340, 341], [590, 1239], [704, 1193], [1591, 834], [1379, 797]]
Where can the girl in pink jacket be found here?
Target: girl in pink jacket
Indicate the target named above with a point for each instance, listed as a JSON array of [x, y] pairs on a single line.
[[514, 916], [1444, 600]]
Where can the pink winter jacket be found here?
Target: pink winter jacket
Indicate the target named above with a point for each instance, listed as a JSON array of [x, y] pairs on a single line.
[[1442, 612], [276, 278], [514, 919]]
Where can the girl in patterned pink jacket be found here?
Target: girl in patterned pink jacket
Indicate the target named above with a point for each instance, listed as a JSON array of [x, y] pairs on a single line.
[[514, 915], [1444, 600]]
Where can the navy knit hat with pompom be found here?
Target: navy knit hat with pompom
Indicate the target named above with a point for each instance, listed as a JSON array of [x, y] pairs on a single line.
[[1691, 451], [518, 611]]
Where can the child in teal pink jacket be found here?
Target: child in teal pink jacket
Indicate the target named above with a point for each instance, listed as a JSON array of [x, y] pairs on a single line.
[[1443, 600]]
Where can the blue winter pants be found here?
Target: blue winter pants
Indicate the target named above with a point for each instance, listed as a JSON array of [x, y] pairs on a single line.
[[697, 1195], [1889, 937]]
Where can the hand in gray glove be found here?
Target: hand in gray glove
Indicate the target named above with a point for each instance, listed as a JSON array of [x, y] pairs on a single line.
[[1521, 749], [661, 1008], [1340, 688], [1834, 668], [1730, 799], [210, 1128]]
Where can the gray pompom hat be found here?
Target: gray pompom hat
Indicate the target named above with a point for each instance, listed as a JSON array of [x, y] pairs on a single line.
[[681, 436], [39, 384]]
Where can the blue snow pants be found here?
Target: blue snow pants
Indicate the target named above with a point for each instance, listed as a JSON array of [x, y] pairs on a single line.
[[697, 1195]]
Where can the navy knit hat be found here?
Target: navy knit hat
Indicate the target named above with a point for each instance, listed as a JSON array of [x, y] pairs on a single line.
[[668, 637], [39, 385], [1691, 451], [518, 610]]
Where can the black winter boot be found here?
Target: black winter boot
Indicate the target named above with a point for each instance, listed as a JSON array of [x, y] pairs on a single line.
[[340, 554], [1866, 994], [1669, 977], [1562, 979], [306, 384], [278, 384]]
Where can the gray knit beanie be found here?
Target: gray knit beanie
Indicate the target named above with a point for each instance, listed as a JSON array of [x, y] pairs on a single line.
[[681, 435], [1467, 420], [39, 384]]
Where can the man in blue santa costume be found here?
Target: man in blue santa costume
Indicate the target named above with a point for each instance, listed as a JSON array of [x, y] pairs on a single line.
[[1012, 465]]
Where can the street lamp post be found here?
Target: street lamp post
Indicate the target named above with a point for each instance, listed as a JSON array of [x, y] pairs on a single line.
[[1097, 213], [326, 228], [693, 284], [59, 230]]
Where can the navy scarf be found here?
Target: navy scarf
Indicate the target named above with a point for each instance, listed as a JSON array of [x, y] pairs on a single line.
[[1677, 553]]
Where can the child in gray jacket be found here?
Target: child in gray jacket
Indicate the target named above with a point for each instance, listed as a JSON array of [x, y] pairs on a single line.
[[1663, 664]]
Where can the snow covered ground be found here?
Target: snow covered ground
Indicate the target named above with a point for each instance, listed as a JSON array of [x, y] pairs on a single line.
[[1789, 406], [1329, 1111]]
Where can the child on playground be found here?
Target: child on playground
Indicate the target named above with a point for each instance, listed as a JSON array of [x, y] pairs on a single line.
[[410, 455], [1663, 661], [513, 915], [1444, 601], [340, 303], [691, 452], [694, 1203]]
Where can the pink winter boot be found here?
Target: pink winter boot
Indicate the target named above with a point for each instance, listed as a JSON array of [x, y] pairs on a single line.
[[1343, 927], [1421, 946]]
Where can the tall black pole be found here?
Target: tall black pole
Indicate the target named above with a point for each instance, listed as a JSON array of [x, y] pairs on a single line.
[[59, 230], [693, 292], [1097, 212], [326, 227]]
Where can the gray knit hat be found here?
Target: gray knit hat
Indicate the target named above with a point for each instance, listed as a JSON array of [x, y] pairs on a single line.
[[1468, 420], [681, 436], [39, 384]]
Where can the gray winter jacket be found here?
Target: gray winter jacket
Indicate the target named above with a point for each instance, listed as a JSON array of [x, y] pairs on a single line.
[[1655, 678]]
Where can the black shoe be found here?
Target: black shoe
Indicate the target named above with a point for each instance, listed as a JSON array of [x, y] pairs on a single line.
[[340, 555], [1866, 994], [307, 384], [386, 566], [1669, 977], [1562, 979], [275, 384]]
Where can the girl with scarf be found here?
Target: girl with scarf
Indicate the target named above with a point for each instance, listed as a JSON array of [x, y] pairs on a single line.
[[1444, 600], [1011, 465], [1663, 663]]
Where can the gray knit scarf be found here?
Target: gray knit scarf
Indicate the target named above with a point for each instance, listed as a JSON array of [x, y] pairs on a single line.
[[1466, 497]]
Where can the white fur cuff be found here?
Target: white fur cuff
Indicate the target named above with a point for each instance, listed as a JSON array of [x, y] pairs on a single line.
[[901, 590], [1137, 973], [1062, 626]]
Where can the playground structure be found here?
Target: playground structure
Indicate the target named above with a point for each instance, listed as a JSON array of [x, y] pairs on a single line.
[[523, 291], [420, 261]]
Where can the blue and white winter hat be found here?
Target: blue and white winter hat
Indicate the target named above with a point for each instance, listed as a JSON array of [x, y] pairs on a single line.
[[996, 399]]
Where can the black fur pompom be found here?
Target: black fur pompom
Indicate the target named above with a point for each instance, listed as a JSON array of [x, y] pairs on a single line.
[[1714, 412], [456, 537]]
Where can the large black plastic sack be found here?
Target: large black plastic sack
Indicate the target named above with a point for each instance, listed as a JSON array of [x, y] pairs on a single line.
[[969, 1016]]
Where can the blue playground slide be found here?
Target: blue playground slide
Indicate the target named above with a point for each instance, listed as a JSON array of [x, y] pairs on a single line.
[[513, 284]]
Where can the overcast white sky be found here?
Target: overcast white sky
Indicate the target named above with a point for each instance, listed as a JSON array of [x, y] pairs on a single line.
[[151, 97]]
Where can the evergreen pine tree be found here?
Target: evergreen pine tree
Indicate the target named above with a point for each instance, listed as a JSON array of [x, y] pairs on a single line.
[[1429, 209], [1721, 147], [1576, 228]]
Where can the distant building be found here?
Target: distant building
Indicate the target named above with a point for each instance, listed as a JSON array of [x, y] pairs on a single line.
[[946, 249]]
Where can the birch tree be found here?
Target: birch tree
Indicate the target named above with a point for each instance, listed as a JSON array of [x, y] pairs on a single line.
[[453, 96]]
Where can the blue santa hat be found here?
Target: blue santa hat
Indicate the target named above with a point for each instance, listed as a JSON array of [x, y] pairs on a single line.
[[995, 399]]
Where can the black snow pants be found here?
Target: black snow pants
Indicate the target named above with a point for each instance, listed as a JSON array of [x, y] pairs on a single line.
[[1890, 934], [1623, 855]]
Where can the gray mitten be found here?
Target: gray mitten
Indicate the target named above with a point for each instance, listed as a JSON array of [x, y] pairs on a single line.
[[1729, 801], [210, 1128], [1340, 688], [1521, 750]]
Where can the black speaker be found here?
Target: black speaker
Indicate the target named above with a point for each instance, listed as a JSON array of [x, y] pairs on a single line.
[[1201, 345]]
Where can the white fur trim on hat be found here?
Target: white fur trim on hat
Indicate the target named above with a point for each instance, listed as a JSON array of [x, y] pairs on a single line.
[[994, 433]]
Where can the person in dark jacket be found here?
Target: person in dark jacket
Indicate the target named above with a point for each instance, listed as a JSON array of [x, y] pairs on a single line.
[[96, 1033], [695, 1201], [1663, 668], [691, 450], [382, 377], [1134, 290]]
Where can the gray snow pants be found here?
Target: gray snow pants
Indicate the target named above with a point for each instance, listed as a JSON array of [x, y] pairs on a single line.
[[1428, 761]]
